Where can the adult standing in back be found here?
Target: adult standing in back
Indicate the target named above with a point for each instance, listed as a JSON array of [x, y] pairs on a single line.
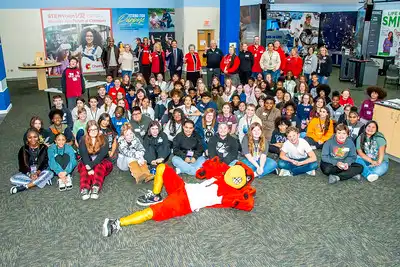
[[310, 64], [109, 57], [270, 63], [246, 64], [143, 53], [126, 61], [214, 56], [282, 56], [175, 59], [257, 50], [157, 59], [193, 64], [230, 66], [324, 66], [294, 63]]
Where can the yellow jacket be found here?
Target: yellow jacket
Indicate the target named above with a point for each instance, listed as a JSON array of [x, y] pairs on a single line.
[[316, 132]]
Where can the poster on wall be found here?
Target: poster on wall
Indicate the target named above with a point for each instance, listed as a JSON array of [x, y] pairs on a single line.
[[249, 23], [129, 24], [359, 33], [293, 29], [162, 26], [337, 31], [374, 32], [389, 39], [81, 33]]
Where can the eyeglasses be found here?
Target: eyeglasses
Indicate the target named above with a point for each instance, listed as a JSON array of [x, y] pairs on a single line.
[[93, 130], [135, 114]]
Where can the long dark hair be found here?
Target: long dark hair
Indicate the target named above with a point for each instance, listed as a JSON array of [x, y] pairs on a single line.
[[97, 40], [391, 38], [152, 124], [103, 117], [363, 136], [172, 125], [327, 120]]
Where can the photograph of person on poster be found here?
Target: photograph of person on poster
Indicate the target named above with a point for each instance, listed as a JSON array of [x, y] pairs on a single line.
[[90, 45], [161, 19], [388, 43]]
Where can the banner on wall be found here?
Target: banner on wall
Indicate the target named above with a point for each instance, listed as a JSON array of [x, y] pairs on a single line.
[[337, 30], [162, 26], [129, 24], [249, 23], [389, 38], [81, 33], [359, 33], [293, 29]]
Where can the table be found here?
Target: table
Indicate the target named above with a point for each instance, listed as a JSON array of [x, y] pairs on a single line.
[[88, 85], [41, 73]]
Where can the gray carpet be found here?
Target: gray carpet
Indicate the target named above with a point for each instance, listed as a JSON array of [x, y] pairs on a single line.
[[297, 221]]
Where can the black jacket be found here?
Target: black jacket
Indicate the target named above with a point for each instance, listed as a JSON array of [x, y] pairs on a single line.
[[246, 61], [227, 149], [24, 159], [86, 157], [105, 56], [183, 144], [324, 66], [213, 58], [179, 61], [156, 147]]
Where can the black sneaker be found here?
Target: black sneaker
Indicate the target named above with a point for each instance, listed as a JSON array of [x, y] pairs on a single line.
[[110, 227], [17, 188], [149, 199]]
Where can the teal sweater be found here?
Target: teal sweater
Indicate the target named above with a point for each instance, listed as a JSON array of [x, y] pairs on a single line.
[[53, 151]]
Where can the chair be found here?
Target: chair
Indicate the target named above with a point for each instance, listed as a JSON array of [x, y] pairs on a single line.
[[392, 74]]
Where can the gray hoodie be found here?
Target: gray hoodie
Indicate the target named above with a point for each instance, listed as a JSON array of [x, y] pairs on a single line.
[[333, 152]]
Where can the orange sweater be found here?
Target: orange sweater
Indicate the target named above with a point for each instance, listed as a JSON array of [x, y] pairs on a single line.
[[315, 131]]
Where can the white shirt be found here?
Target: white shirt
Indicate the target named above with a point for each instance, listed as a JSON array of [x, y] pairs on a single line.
[[93, 115], [299, 151], [149, 112], [162, 84], [203, 194], [113, 60], [187, 113], [270, 61], [126, 61], [74, 113]]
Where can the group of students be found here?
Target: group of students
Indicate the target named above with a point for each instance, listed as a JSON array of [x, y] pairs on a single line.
[[138, 125]]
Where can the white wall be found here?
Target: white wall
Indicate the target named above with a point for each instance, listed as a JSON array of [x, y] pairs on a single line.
[[193, 20], [21, 35]]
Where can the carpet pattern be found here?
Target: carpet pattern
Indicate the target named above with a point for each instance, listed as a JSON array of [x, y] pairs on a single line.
[[297, 221]]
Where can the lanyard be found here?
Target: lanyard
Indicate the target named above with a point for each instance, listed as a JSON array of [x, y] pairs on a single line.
[[95, 114]]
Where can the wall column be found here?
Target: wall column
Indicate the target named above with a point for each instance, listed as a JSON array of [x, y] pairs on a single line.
[[5, 104], [229, 24]]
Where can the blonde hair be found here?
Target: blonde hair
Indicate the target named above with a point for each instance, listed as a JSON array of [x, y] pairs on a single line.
[[157, 45], [251, 139], [124, 128]]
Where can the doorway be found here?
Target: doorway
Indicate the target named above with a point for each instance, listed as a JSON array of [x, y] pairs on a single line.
[[204, 38]]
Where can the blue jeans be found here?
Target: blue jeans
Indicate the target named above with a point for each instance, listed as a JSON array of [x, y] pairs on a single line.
[[129, 72], [275, 74], [23, 179], [269, 166], [296, 170], [367, 169], [323, 79], [188, 168]]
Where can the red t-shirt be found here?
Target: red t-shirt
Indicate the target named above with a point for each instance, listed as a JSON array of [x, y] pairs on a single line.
[[113, 93], [257, 53], [145, 54], [348, 101], [73, 82]]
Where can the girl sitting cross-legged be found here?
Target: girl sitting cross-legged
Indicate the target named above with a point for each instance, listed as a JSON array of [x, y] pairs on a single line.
[[33, 165]]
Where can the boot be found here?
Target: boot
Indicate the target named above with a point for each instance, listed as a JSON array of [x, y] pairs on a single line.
[[136, 172]]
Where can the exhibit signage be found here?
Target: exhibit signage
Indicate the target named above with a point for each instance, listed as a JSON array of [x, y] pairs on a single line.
[[389, 37]]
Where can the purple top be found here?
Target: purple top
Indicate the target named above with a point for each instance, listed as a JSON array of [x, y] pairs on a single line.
[[367, 109], [230, 120], [387, 44]]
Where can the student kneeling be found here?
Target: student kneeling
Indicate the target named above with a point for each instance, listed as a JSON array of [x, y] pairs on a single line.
[[296, 156], [131, 155], [339, 156]]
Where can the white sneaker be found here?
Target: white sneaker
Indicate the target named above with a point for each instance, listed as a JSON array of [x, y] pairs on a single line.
[[284, 172], [311, 173], [372, 177], [68, 184], [85, 194], [313, 147], [95, 192], [178, 171], [61, 185]]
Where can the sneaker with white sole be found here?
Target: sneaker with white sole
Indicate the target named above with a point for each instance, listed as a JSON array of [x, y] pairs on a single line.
[[85, 194], [178, 171], [357, 177], [68, 184], [17, 188], [95, 192], [284, 172], [110, 227], [311, 173], [372, 177], [61, 185], [313, 147], [149, 199], [333, 179]]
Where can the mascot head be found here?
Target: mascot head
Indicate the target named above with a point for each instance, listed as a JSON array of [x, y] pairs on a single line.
[[236, 176]]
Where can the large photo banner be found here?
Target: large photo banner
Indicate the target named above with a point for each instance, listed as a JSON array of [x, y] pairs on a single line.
[[129, 24], [389, 39], [81, 33], [162, 26], [293, 29], [249, 23]]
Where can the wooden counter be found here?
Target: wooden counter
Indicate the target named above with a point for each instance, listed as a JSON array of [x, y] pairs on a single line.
[[41, 73], [388, 118]]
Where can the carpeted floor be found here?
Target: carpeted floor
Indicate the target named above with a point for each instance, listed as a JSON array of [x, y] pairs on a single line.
[[297, 221]]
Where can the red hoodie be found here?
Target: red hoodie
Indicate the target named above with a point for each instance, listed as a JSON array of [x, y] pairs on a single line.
[[257, 53], [72, 82], [191, 65], [348, 101], [226, 62], [113, 93], [155, 63], [282, 57], [294, 64]]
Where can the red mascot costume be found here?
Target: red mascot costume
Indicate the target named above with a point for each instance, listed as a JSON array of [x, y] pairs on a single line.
[[224, 187]]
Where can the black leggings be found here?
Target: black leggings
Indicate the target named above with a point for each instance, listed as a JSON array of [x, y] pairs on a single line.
[[274, 149], [353, 170], [313, 143]]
